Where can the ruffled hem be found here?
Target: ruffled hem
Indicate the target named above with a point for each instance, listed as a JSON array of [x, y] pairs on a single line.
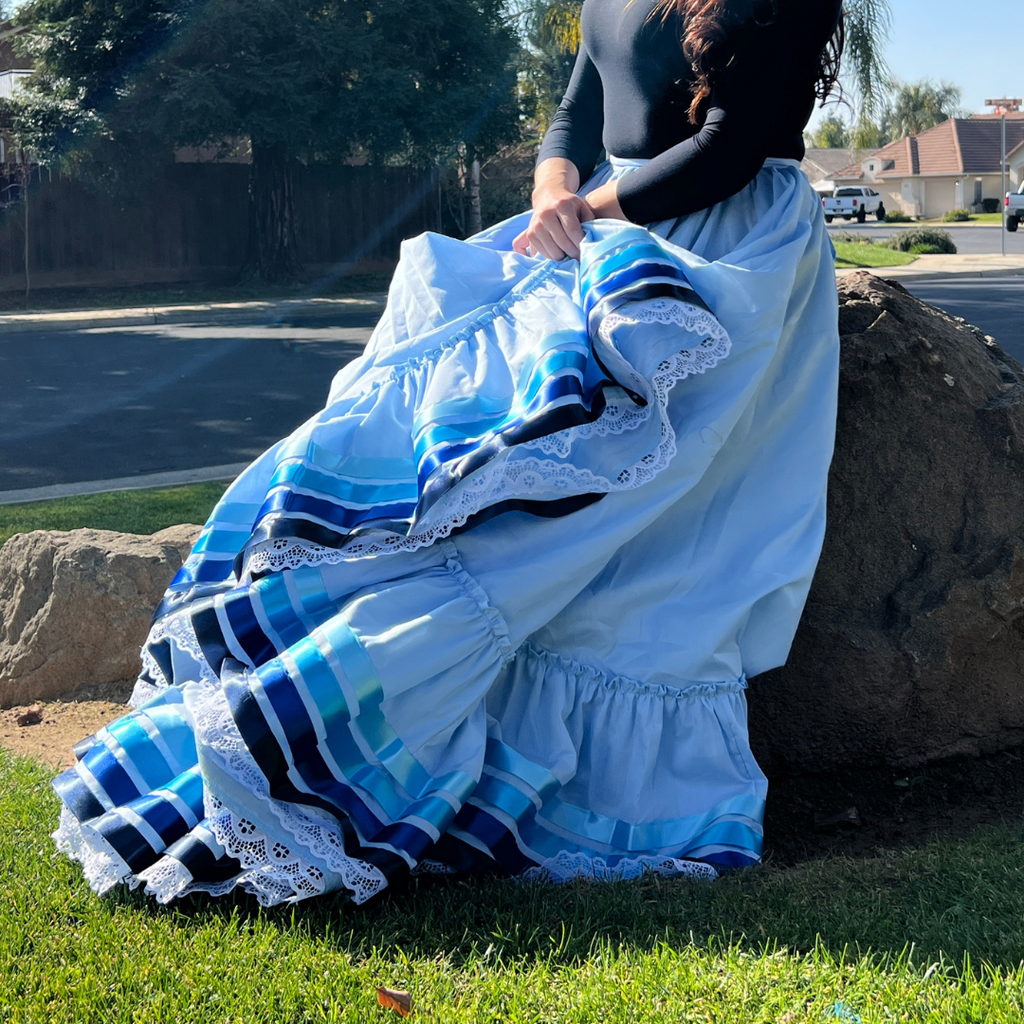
[[287, 851], [578, 867]]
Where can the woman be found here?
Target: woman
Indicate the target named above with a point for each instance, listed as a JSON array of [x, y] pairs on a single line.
[[495, 606]]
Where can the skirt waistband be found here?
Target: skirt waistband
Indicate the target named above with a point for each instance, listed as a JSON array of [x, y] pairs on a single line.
[[623, 162]]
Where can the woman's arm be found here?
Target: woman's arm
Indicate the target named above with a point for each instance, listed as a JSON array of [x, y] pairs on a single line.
[[576, 129], [567, 157], [716, 163]]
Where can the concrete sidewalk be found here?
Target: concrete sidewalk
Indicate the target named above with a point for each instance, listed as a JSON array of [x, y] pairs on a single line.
[[942, 267], [257, 313]]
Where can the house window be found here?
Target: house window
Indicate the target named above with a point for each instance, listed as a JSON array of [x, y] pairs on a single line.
[[977, 191]]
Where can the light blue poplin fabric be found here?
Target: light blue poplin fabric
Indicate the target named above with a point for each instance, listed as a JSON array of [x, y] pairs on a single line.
[[497, 603]]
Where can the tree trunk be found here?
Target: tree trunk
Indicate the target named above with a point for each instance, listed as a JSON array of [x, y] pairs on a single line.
[[272, 251], [476, 224]]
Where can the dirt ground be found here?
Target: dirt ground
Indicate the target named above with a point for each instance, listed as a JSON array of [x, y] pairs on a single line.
[[895, 808], [64, 723], [856, 812]]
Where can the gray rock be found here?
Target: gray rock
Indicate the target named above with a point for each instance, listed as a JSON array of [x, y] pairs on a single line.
[[75, 607], [912, 644]]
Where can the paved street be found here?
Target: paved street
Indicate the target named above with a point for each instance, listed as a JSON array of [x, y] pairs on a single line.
[[87, 405], [970, 239], [84, 405], [995, 304]]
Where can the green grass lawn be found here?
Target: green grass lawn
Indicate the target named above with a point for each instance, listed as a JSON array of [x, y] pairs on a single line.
[[935, 935], [975, 218], [124, 511], [860, 254]]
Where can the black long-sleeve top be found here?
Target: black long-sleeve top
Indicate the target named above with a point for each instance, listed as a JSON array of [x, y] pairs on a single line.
[[630, 94]]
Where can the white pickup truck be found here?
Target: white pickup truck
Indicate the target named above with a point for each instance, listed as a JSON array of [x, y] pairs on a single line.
[[1014, 208], [856, 201]]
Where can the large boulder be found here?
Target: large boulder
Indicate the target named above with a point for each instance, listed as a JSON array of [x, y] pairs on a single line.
[[75, 607], [912, 644]]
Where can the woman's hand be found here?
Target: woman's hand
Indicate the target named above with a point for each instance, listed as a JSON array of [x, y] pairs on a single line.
[[556, 227]]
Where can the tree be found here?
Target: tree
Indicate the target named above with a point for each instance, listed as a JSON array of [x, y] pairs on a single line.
[[918, 106], [550, 29], [867, 31], [832, 133], [300, 80]]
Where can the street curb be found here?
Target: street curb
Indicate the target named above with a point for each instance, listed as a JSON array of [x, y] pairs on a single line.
[[254, 314], [931, 275], [177, 478]]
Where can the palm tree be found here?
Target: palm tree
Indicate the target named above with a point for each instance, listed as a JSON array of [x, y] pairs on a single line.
[[918, 106], [867, 30]]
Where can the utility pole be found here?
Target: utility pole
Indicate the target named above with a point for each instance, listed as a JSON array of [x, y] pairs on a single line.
[[1002, 108]]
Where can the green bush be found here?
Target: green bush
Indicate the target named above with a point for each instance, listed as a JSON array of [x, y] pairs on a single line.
[[990, 205], [926, 250], [937, 240], [853, 237], [956, 216], [897, 217]]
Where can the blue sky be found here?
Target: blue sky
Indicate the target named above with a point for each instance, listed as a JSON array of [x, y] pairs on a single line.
[[968, 44]]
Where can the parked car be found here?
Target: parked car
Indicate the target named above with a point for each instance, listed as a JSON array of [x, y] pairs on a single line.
[[1014, 208], [857, 201]]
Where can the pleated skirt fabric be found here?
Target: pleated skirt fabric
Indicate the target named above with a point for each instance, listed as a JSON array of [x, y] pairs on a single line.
[[495, 606]]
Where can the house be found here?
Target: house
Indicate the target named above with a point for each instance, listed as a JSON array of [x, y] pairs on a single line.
[[14, 68], [951, 166], [821, 164], [13, 71]]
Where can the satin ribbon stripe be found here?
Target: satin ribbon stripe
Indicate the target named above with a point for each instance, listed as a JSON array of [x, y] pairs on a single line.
[[223, 536], [341, 694], [556, 365], [556, 393], [628, 258], [621, 281], [519, 793], [351, 493], [203, 857]]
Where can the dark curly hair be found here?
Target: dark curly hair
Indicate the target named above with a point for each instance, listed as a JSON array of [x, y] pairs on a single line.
[[709, 49]]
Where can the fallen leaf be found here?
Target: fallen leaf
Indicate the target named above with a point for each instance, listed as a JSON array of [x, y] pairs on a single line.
[[30, 716], [391, 999]]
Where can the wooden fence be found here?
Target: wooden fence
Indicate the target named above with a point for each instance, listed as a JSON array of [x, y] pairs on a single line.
[[190, 223]]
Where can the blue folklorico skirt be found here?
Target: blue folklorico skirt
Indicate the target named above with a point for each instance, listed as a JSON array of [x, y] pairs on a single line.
[[495, 606]]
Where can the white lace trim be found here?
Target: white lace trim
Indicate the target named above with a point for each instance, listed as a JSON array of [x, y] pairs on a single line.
[[168, 879], [102, 865], [143, 692], [177, 628], [273, 871], [570, 867], [519, 477]]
